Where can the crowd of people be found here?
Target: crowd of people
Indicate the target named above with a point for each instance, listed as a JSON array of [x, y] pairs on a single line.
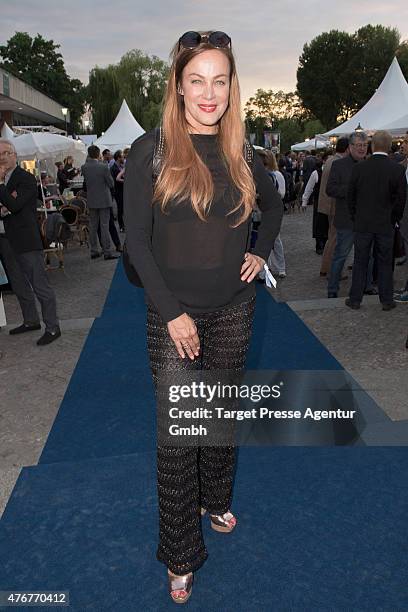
[[24, 233], [366, 212], [346, 215]]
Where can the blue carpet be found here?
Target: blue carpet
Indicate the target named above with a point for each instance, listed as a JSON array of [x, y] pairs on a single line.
[[319, 528], [109, 408]]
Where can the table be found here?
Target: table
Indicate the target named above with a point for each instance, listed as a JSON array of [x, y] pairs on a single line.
[[76, 184], [45, 210]]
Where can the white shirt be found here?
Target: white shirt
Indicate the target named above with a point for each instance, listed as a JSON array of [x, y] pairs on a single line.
[[313, 180], [281, 183]]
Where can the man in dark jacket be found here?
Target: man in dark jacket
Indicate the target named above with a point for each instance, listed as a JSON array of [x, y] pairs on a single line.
[[115, 169], [337, 187], [309, 165], [18, 203], [376, 201]]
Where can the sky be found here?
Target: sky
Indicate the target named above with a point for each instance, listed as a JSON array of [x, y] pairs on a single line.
[[267, 37]]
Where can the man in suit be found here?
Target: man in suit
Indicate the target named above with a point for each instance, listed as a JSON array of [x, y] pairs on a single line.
[[99, 183], [337, 187], [18, 202], [326, 205], [376, 201], [309, 165]]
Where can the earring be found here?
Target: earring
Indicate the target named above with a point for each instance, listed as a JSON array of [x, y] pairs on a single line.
[[179, 90]]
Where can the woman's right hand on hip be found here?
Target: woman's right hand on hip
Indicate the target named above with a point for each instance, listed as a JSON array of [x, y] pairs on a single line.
[[183, 332]]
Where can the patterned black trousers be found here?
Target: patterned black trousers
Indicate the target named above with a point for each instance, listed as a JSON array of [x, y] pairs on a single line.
[[189, 478]]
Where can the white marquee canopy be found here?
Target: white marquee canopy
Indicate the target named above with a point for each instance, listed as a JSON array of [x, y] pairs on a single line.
[[44, 146], [399, 127], [123, 131], [7, 132], [309, 145], [388, 106]]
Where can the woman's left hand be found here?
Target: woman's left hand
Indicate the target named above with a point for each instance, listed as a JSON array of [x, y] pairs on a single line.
[[252, 265]]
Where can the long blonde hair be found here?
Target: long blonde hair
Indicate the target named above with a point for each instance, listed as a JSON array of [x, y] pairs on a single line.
[[184, 175]]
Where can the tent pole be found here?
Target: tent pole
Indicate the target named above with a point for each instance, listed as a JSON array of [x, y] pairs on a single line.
[[42, 189]]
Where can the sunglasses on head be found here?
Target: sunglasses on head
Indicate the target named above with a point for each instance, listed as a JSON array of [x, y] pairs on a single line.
[[191, 40]]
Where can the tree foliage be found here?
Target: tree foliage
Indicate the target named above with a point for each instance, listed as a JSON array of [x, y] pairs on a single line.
[[339, 72], [138, 78], [320, 75], [273, 106], [291, 131], [38, 62], [373, 49], [279, 111]]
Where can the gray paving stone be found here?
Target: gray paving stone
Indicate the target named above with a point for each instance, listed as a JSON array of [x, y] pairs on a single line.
[[8, 478], [37, 377]]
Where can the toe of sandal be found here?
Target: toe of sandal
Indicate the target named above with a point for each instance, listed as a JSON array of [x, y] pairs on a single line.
[[180, 587]]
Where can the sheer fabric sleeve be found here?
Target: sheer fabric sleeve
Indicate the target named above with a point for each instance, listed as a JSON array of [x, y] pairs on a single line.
[[271, 205], [138, 217]]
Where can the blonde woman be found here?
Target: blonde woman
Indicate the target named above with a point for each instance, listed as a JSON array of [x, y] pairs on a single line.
[[187, 237]]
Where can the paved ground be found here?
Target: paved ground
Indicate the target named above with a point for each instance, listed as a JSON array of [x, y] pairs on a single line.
[[34, 379], [369, 343]]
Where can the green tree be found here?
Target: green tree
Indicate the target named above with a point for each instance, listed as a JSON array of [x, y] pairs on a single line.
[[373, 49], [273, 106], [320, 75], [275, 110], [138, 78], [339, 72], [103, 97], [402, 57], [38, 62], [291, 132], [313, 127]]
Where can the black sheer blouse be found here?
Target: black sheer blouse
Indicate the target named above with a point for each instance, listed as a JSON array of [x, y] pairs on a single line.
[[185, 264]]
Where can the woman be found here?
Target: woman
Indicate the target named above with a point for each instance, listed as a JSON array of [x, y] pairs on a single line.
[[62, 177], [276, 259], [320, 223], [69, 169], [187, 238], [116, 170]]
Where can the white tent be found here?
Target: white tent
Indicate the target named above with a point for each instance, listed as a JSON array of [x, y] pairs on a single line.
[[46, 149], [7, 132], [44, 145], [88, 139], [123, 131], [388, 104], [399, 127], [309, 145]]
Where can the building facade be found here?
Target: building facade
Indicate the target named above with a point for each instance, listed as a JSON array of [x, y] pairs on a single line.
[[21, 104]]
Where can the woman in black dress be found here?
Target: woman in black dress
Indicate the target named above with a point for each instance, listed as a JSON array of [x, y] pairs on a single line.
[[187, 236]]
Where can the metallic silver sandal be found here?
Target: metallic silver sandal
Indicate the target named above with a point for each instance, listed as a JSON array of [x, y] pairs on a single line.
[[223, 523], [180, 587]]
